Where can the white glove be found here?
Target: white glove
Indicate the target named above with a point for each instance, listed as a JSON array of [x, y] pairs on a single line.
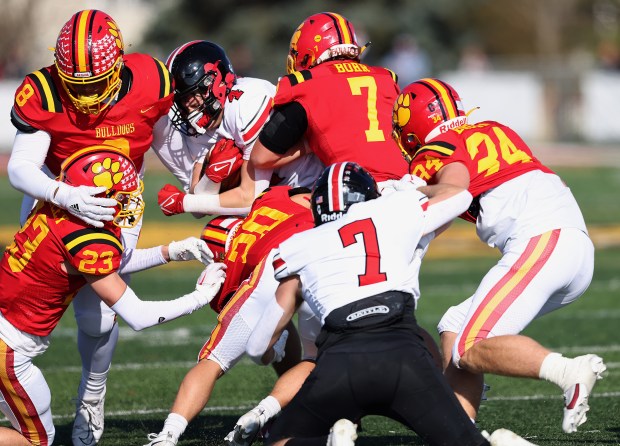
[[409, 181], [191, 248], [210, 281], [82, 202], [278, 347]]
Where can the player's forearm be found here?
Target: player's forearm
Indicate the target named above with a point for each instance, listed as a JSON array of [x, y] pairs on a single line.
[[135, 260], [210, 204], [141, 314], [24, 166]]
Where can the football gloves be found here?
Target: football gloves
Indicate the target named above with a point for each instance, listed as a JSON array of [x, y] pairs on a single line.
[[224, 160], [191, 248], [82, 202], [210, 281], [170, 200]]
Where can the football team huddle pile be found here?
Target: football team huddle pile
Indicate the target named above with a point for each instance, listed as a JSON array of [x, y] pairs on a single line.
[[323, 194]]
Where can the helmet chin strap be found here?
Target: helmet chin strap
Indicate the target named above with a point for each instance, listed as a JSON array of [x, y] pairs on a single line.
[[198, 121]]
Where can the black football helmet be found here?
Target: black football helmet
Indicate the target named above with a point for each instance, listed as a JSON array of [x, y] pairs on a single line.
[[339, 186], [203, 77]]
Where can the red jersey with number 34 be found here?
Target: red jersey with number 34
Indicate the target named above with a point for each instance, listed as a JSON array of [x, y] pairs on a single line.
[[35, 291], [492, 152], [349, 110], [41, 102], [274, 217]]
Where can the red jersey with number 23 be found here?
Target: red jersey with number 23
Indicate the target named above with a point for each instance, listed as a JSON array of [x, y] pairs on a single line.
[[35, 291], [349, 109]]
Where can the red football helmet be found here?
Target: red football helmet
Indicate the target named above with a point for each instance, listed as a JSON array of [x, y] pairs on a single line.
[[218, 234], [321, 37], [107, 166], [425, 109], [89, 59]]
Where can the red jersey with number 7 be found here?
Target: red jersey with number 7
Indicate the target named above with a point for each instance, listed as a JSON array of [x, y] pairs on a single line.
[[35, 290], [349, 110]]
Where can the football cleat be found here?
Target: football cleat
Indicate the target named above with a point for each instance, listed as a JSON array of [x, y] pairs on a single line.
[[247, 428], [590, 369], [342, 433], [505, 437], [162, 439], [88, 422]]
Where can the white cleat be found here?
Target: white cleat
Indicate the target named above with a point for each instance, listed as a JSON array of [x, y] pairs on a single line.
[[505, 437], [590, 369], [247, 428], [162, 439], [88, 422], [342, 433]]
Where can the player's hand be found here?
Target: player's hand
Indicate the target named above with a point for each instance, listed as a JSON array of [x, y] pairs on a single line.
[[170, 200], [410, 181], [210, 281], [225, 159], [278, 347], [191, 248], [82, 201]]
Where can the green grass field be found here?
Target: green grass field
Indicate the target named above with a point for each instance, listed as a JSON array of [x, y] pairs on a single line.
[[149, 366]]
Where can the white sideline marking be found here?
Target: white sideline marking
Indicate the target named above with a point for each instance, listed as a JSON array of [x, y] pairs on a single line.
[[245, 407]]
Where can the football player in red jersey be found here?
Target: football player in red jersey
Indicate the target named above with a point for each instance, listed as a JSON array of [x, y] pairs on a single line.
[[341, 106], [93, 93], [525, 210], [53, 255], [245, 245]]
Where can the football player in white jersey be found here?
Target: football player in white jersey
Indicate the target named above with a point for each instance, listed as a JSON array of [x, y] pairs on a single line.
[[212, 127], [525, 210], [358, 271]]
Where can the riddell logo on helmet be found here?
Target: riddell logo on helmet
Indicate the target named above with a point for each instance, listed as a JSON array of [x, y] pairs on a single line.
[[453, 123], [83, 74], [331, 217]]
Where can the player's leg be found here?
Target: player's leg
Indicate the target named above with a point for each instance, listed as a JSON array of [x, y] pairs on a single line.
[[97, 338], [25, 400], [441, 419], [250, 424], [547, 273]]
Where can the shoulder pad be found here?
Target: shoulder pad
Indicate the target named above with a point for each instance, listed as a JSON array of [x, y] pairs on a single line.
[[393, 74], [77, 240], [20, 124], [42, 82], [165, 79], [437, 146], [298, 77]]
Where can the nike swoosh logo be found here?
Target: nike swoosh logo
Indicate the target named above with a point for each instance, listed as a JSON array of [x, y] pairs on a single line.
[[144, 110], [221, 165], [167, 202]]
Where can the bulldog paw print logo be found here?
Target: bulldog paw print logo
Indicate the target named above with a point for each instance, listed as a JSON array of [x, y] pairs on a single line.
[[107, 173], [402, 114]]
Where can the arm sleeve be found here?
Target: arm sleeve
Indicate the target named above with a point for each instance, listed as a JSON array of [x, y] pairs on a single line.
[[141, 314], [24, 166], [135, 260], [286, 125], [438, 214]]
